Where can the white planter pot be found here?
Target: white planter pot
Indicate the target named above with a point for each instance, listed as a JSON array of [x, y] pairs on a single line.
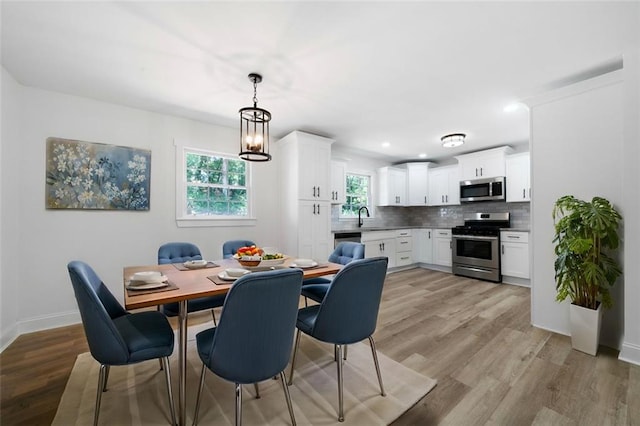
[[585, 328]]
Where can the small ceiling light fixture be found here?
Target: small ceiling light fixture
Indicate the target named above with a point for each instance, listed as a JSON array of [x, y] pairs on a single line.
[[254, 128], [453, 140]]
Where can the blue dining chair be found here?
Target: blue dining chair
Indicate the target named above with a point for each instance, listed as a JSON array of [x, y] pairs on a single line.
[[115, 336], [229, 248], [179, 252], [347, 314], [253, 340], [316, 288]]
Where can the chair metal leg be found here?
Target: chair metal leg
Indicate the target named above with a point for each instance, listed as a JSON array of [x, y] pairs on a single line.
[[213, 314], [238, 404], [160, 361], [288, 397], [306, 303], [293, 358], [195, 414], [345, 352], [340, 386], [167, 376], [375, 361], [106, 377], [255, 385], [101, 385]]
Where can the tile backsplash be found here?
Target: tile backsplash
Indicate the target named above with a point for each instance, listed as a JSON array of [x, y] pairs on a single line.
[[434, 216]]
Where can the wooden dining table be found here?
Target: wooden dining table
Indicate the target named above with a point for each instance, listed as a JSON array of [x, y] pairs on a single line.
[[192, 284]]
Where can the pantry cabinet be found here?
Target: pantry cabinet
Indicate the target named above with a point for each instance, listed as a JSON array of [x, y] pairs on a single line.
[[305, 204], [444, 186], [338, 182], [518, 177], [483, 164], [392, 186]]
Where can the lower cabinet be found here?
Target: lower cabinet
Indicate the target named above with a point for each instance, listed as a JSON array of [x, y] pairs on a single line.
[[442, 247], [385, 247], [404, 247], [514, 254], [423, 245]]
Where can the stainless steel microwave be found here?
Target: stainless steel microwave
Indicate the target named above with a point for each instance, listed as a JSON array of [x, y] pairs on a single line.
[[490, 189]]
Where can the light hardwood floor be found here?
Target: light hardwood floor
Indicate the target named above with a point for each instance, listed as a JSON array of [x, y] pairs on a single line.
[[474, 337]]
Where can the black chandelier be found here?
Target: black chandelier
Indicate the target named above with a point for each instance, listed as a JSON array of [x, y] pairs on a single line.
[[254, 128]]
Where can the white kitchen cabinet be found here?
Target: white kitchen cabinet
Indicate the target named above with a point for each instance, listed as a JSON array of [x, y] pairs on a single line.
[[338, 182], [442, 247], [305, 205], [404, 247], [310, 157], [483, 164], [518, 177], [314, 230], [417, 184], [423, 245], [392, 186], [444, 186], [514, 254], [380, 243]]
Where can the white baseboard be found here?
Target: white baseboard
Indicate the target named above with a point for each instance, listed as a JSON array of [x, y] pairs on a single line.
[[523, 282], [8, 336], [630, 353], [38, 324]]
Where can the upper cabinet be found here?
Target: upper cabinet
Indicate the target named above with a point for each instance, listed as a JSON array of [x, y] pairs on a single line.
[[518, 177], [310, 155], [483, 164], [444, 186], [417, 184], [392, 186], [338, 182]]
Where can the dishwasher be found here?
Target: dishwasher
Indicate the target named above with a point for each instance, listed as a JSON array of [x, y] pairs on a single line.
[[340, 237]]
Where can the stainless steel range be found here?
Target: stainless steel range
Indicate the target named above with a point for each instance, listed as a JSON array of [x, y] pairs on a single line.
[[476, 246]]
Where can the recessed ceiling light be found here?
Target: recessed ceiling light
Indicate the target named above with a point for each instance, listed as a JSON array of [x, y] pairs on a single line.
[[386, 144], [422, 155]]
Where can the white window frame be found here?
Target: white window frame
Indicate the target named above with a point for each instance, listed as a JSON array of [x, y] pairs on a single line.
[[371, 205], [185, 220]]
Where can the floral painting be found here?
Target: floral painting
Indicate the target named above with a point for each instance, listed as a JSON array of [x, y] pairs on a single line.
[[87, 175]]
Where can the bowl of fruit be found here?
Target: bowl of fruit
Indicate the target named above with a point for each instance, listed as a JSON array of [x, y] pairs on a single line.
[[249, 255]]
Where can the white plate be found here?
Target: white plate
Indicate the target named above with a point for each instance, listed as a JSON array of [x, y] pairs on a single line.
[[146, 286], [147, 276], [150, 280], [224, 276], [313, 265], [195, 264]]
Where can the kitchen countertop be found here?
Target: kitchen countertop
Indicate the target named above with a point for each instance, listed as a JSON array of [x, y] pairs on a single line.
[[394, 228]]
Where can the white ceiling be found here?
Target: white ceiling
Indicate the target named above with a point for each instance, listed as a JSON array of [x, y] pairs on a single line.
[[362, 72]]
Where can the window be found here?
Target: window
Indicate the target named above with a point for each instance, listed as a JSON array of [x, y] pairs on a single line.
[[358, 193], [216, 185]]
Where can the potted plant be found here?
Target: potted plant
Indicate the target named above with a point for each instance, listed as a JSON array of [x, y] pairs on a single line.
[[586, 234]]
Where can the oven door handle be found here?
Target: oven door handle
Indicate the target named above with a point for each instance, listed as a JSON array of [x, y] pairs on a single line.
[[475, 237]]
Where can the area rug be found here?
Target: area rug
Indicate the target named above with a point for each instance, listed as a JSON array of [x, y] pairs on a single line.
[[137, 395]]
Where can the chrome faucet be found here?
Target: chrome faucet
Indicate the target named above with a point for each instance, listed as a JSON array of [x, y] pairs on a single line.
[[360, 221]]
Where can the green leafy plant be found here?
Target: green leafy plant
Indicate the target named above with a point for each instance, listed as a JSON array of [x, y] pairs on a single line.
[[586, 233]]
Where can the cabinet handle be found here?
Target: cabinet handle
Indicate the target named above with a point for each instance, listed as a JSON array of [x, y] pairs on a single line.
[[502, 248], [425, 199], [514, 237], [476, 172], [450, 246], [314, 209], [318, 193], [442, 196], [314, 191], [336, 195], [429, 234], [480, 171], [446, 198], [318, 208], [523, 194]]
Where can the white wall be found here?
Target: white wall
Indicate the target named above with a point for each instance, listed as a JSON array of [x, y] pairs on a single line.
[[41, 242], [9, 234], [576, 148], [631, 344]]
